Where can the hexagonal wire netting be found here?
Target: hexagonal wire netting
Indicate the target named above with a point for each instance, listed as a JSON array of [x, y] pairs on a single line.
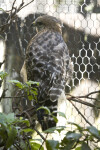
[[81, 33]]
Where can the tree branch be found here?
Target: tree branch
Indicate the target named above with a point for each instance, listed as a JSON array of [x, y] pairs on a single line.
[[13, 14], [81, 113], [78, 99]]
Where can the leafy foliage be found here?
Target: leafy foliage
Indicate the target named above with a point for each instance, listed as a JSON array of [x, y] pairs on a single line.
[[30, 87], [77, 139], [13, 135], [15, 132]]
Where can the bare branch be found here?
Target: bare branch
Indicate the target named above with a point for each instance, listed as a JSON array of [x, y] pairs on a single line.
[[27, 4], [82, 102], [78, 99], [85, 96], [39, 134], [43, 142], [81, 113], [92, 93], [13, 14], [1, 63]]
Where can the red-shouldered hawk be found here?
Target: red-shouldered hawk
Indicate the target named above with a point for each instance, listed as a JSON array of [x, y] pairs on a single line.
[[48, 62]]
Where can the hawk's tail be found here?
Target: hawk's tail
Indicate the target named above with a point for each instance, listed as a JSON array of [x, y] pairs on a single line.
[[46, 120]]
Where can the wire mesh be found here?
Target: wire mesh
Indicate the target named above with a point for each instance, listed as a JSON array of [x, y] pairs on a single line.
[[81, 33]]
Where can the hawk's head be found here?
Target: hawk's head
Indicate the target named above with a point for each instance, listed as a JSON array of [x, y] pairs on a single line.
[[48, 22]]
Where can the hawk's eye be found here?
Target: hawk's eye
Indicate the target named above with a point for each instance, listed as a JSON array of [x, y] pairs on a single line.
[[39, 23]]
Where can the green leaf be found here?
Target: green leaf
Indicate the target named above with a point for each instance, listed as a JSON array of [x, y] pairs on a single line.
[[85, 146], [7, 119], [3, 75], [45, 108], [12, 133], [23, 145], [70, 140], [67, 144], [51, 130], [10, 118], [78, 127], [30, 97], [73, 136], [3, 118], [17, 83], [27, 130], [61, 114], [34, 91], [39, 140], [24, 121], [55, 118], [94, 131], [35, 146], [60, 128], [32, 82], [52, 144], [3, 132]]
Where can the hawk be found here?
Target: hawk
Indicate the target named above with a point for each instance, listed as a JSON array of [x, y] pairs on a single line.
[[47, 62]]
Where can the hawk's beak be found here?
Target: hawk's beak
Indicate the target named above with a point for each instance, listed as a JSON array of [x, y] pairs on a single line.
[[33, 24]]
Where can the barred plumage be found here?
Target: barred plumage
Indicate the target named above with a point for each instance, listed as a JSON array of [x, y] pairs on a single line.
[[48, 62]]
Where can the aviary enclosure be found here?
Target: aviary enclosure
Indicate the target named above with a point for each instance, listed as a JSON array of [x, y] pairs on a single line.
[[81, 32]]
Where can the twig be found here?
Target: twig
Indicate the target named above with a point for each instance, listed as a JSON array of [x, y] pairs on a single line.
[[13, 6], [29, 146], [82, 102], [85, 96], [27, 114], [21, 52], [93, 99], [12, 14], [1, 63], [17, 146], [27, 4], [13, 96], [3, 94], [93, 93], [43, 142], [81, 113], [77, 99], [39, 134]]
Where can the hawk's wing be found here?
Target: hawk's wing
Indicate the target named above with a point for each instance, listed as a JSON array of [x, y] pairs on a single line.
[[47, 62]]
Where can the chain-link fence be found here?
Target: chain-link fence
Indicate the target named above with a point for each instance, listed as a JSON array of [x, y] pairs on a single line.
[[81, 32]]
